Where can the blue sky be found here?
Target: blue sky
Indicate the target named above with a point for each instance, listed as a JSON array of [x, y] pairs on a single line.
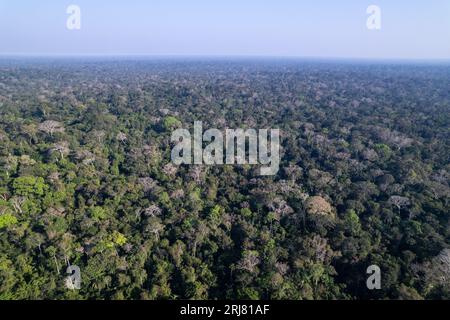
[[414, 29]]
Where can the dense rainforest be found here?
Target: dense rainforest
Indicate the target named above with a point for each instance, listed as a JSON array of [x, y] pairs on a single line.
[[86, 179]]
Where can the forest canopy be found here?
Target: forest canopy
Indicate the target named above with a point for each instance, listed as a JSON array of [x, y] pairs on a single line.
[[86, 180]]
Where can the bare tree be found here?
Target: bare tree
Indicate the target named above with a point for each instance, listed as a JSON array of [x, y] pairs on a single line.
[[17, 203], [318, 249], [399, 202], [147, 184], [122, 137], [435, 272], [282, 268], [152, 211], [170, 169], [280, 208], [293, 172], [197, 174], [177, 194], [53, 177], [85, 156], [249, 261], [369, 154], [62, 148], [50, 127], [154, 226], [99, 135]]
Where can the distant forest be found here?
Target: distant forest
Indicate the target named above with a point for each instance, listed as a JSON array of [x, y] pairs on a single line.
[[86, 179]]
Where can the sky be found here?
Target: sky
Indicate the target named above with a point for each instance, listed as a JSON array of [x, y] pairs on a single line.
[[410, 29]]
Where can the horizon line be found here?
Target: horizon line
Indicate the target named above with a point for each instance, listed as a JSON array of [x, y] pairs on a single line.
[[218, 56]]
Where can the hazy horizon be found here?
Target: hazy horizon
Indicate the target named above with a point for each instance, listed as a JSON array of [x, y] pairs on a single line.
[[219, 58]]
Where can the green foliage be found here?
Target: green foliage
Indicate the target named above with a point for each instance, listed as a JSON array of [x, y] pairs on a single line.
[[353, 146], [118, 238], [171, 122], [215, 214], [383, 149], [7, 220], [29, 186], [246, 213], [352, 221], [248, 294], [98, 213], [164, 199]]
